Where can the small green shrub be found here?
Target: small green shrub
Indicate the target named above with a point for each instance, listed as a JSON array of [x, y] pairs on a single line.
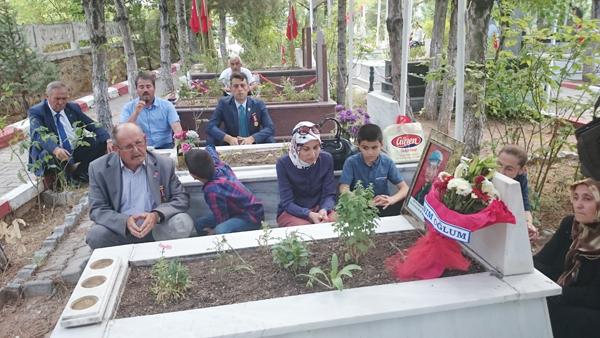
[[170, 280], [291, 253], [333, 279], [356, 220]]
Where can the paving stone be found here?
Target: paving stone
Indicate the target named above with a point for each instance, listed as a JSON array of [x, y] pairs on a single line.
[[70, 221], [26, 272], [41, 287], [40, 256], [75, 266], [13, 289], [59, 231], [49, 243]]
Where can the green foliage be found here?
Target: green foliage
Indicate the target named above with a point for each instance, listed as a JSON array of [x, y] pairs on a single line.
[[356, 220], [267, 89], [291, 253], [523, 91], [24, 73], [333, 278], [48, 161], [260, 33], [170, 280], [47, 12], [290, 93], [265, 236]]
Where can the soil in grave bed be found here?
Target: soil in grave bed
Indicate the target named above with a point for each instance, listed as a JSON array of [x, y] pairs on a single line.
[[246, 158], [213, 283]]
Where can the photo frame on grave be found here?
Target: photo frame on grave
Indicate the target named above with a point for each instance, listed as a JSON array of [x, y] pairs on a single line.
[[441, 153]]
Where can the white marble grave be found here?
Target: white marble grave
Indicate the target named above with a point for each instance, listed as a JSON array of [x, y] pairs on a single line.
[[507, 301]]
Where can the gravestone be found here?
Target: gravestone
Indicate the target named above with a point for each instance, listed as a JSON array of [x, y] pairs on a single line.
[[416, 83]]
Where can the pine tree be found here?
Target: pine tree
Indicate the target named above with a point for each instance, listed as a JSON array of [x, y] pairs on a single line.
[[24, 73]]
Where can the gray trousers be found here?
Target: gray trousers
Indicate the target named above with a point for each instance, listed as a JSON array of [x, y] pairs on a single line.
[[178, 226]]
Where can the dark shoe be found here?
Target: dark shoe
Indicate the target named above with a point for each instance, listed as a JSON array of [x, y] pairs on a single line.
[[82, 177], [71, 168]]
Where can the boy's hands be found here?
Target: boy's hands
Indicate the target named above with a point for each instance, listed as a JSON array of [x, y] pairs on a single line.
[[384, 201]]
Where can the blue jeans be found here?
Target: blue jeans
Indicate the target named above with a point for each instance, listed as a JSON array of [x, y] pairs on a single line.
[[234, 224]]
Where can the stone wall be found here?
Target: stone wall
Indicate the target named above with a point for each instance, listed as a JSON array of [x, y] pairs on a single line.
[[76, 71]]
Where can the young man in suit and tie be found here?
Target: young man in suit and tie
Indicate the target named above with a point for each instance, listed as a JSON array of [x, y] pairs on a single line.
[[245, 119], [53, 124]]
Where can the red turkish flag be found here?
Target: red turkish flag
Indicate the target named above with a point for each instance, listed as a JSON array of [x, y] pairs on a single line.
[[292, 25], [194, 22], [204, 18]]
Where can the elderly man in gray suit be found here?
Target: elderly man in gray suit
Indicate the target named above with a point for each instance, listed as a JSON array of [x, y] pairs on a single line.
[[135, 195]]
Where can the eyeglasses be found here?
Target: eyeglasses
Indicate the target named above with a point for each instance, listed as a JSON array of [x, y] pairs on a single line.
[[303, 130], [137, 145]]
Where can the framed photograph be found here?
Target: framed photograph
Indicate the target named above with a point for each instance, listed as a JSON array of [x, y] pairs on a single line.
[[442, 153]]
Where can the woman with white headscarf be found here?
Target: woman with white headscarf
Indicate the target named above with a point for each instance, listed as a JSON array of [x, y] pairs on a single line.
[[307, 187]]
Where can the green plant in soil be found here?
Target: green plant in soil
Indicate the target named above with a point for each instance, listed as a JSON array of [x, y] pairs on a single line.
[[356, 220], [333, 278], [264, 238], [229, 259], [291, 253], [267, 90], [170, 280]]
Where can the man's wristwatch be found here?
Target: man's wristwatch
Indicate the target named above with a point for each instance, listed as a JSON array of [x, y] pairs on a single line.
[[161, 217]]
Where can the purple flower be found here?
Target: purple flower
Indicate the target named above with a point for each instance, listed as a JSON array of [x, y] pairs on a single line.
[[339, 107]]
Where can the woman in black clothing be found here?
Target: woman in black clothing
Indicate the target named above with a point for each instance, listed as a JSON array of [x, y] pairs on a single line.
[[572, 259]]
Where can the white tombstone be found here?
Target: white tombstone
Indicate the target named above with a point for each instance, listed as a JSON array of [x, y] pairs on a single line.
[[505, 246], [382, 108]]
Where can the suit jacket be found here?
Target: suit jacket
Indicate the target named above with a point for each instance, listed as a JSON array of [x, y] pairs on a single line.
[[260, 125], [41, 116], [106, 187]]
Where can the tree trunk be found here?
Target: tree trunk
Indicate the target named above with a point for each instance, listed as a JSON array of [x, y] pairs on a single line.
[[3, 259], [448, 90], [182, 34], [342, 76], [132, 67], [223, 34], [165, 48], [94, 19], [478, 19], [435, 53], [394, 24], [589, 68]]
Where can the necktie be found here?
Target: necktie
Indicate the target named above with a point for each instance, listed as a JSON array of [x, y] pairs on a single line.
[[65, 144], [243, 120]]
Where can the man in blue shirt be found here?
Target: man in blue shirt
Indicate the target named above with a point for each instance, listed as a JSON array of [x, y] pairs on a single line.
[[157, 117], [370, 166]]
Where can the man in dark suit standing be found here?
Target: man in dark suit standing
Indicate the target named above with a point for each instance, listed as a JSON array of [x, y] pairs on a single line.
[[246, 120], [60, 120]]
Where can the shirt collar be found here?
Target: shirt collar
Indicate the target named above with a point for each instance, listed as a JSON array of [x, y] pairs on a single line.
[[137, 170], [52, 110], [237, 105], [375, 163]]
